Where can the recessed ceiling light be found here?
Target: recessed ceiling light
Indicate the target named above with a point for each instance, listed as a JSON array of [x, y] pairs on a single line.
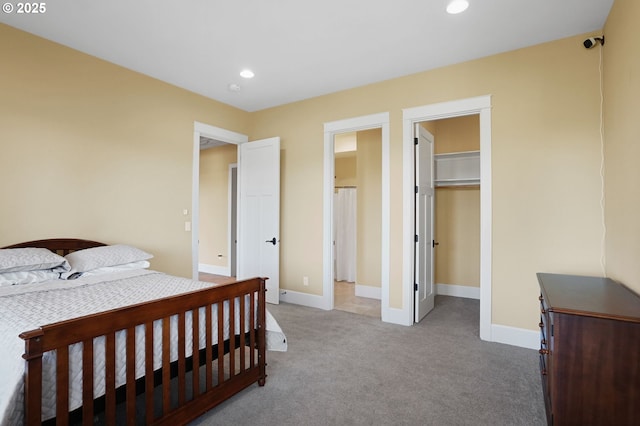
[[234, 87], [457, 6], [246, 74]]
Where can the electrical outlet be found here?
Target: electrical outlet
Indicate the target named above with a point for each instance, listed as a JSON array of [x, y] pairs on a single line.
[[305, 280]]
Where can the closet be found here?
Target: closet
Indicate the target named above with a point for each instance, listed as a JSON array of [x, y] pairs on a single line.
[[457, 205]]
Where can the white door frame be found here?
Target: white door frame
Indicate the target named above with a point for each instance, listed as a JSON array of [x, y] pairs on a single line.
[[223, 135], [374, 121], [479, 105], [232, 227]]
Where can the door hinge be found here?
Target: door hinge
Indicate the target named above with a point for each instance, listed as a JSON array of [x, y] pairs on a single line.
[[415, 286], [416, 189], [434, 243], [415, 141], [416, 238], [552, 329]]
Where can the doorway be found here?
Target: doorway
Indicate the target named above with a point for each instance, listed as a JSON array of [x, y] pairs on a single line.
[[482, 106], [357, 207], [223, 136], [375, 121], [218, 208], [258, 206], [455, 242]]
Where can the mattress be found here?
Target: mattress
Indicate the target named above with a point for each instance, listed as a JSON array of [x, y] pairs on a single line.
[[26, 307]]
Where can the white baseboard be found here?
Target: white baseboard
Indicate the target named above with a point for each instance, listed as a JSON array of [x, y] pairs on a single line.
[[368, 291], [213, 269], [390, 315], [458, 291], [304, 299], [499, 333], [515, 336]]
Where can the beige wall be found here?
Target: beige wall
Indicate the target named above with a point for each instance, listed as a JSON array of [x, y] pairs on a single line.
[[457, 230], [457, 134], [545, 154], [114, 152], [214, 204], [346, 169], [457, 209], [369, 166], [622, 150], [92, 150]]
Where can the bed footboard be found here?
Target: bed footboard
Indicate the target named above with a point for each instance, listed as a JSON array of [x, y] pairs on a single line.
[[187, 319]]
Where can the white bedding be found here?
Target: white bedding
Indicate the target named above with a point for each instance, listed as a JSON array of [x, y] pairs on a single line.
[[26, 307]]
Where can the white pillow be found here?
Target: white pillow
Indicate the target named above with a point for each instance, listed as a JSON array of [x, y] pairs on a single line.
[[100, 257], [31, 259], [141, 264], [27, 277]]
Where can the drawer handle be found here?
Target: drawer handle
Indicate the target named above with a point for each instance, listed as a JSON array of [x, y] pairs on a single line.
[[544, 351]]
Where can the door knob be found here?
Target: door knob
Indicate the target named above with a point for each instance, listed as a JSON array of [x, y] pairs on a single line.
[[272, 241]]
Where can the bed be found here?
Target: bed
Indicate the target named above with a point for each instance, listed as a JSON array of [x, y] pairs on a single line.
[[102, 338]]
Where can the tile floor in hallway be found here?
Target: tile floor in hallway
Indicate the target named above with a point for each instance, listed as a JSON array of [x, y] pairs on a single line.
[[345, 299]]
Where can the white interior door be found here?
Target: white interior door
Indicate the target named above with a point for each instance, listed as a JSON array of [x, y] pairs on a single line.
[[259, 213], [424, 220]]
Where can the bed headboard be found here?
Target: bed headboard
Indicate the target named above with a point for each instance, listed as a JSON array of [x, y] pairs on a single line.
[[61, 246]]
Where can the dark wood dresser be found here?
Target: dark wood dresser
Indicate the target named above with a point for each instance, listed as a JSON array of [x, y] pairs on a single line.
[[589, 351]]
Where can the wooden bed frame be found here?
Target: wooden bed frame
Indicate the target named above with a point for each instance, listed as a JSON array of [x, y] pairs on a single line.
[[224, 376]]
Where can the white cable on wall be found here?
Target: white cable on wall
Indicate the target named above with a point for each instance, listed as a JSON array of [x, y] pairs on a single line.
[[603, 263]]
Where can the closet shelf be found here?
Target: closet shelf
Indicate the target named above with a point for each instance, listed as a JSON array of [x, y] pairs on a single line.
[[457, 168], [457, 182]]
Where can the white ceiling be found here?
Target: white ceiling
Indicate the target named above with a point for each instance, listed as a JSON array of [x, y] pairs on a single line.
[[206, 143], [299, 48]]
